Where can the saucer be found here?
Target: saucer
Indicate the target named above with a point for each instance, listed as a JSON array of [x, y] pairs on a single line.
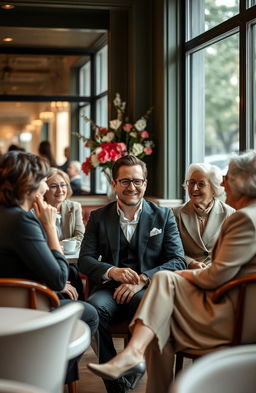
[[70, 252]]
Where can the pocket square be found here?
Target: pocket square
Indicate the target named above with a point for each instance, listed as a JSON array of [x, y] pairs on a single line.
[[155, 231]]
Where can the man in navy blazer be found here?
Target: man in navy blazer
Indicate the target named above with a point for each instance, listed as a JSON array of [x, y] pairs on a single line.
[[125, 243]]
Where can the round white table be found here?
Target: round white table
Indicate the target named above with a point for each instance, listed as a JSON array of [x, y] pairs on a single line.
[[81, 334], [8, 386]]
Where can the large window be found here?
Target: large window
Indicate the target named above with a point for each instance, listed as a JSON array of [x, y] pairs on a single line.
[[220, 81], [93, 85]]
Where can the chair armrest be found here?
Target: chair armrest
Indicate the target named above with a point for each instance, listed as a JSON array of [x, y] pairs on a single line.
[[236, 282], [241, 284], [86, 285]]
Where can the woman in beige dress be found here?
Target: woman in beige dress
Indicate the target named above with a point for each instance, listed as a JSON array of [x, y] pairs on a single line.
[[200, 219], [177, 311]]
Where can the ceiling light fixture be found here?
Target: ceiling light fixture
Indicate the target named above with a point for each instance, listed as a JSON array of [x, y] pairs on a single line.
[[7, 6], [59, 106], [7, 39], [46, 115]]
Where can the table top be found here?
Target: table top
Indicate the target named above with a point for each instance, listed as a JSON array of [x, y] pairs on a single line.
[[13, 315], [81, 334], [9, 386]]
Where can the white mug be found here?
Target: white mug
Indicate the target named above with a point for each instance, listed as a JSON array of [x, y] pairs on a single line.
[[69, 245]]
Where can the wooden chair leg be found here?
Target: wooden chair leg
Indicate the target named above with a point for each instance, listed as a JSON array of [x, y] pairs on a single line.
[[179, 363], [72, 387]]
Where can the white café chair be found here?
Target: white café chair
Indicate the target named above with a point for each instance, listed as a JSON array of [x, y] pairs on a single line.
[[35, 345], [7, 386], [231, 370]]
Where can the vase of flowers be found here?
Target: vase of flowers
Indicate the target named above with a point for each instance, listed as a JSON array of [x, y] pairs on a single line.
[[120, 138]]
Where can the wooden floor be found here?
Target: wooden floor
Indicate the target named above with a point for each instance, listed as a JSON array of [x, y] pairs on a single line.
[[90, 383]]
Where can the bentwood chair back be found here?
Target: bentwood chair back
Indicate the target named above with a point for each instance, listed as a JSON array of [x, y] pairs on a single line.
[[242, 317], [231, 370], [20, 292], [35, 351]]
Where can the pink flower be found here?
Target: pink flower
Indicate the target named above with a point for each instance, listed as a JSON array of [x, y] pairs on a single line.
[[103, 156], [144, 134], [127, 127], [148, 150], [121, 146], [114, 155]]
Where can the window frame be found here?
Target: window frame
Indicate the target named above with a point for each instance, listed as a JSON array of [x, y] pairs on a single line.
[[242, 23]]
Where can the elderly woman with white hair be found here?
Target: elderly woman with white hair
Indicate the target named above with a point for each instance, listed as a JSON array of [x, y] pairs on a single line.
[[178, 311], [200, 219]]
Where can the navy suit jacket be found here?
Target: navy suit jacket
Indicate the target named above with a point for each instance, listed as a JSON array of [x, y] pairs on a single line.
[[160, 246], [24, 251]]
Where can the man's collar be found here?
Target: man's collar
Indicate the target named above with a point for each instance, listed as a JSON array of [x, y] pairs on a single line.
[[136, 215]]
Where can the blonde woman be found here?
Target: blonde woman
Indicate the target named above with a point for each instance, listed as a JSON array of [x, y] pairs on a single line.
[[69, 221]]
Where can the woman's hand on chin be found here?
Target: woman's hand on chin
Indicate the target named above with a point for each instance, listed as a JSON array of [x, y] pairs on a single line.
[[44, 212]]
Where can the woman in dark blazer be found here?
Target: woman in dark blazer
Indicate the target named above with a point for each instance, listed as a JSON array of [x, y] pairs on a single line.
[[29, 245]]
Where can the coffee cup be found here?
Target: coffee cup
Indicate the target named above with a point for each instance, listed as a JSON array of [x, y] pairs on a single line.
[[69, 245]]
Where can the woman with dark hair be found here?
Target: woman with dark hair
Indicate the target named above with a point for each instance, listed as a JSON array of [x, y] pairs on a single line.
[[29, 245], [45, 151]]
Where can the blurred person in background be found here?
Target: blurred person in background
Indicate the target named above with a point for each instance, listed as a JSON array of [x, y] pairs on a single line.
[[45, 151], [64, 166], [74, 170]]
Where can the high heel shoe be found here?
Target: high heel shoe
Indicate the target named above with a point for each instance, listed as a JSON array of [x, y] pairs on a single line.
[[107, 371]]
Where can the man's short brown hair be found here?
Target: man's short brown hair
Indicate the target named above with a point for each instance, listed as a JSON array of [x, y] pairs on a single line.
[[128, 160]]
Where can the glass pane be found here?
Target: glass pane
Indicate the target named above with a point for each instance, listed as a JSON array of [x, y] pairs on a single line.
[[215, 102], [102, 70], [27, 123], [205, 14], [101, 120], [85, 79], [39, 74], [84, 152]]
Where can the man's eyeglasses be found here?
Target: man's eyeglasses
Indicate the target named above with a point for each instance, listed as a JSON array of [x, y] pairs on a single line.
[[192, 183], [136, 182], [56, 186]]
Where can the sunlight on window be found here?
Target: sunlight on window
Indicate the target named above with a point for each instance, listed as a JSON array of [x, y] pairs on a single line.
[[204, 15]]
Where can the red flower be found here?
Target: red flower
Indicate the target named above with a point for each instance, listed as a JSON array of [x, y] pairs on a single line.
[[102, 130], [86, 166], [103, 156]]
